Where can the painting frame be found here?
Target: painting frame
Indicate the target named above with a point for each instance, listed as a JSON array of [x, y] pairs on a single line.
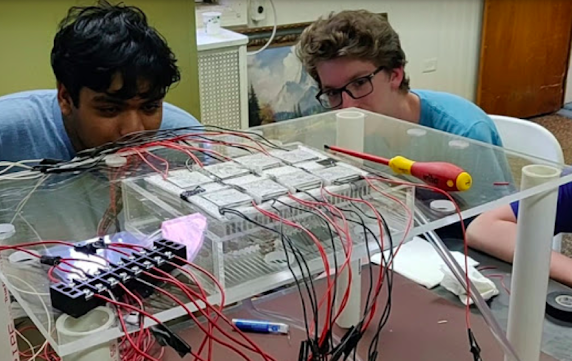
[[281, 97], [286, 35]]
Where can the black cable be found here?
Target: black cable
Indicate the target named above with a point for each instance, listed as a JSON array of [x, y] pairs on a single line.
[[332, 238], [156, 135], [372, 351], [367, 309], [222, 142], [366, 231], [142, 138], [314, 299], [309, 290], [335, 258]]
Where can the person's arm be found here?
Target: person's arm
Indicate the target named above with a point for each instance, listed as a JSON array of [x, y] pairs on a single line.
[[494, 233]]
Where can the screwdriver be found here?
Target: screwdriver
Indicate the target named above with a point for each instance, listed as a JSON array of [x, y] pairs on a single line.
[[442, 175]]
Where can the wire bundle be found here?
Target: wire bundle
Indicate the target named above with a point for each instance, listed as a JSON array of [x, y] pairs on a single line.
[[330, 223]]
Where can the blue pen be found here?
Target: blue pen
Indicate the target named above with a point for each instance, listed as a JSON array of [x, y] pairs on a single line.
[[260, 326]]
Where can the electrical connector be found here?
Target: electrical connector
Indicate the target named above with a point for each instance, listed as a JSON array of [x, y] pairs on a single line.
[[90, 248], [166, 337], [78, 299], [50, 260]]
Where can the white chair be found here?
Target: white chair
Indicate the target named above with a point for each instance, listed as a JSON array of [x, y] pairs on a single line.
[[531, 139]]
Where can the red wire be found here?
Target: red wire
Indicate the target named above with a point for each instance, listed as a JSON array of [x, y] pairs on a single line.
[[323, 255], [348, 251], [47, 353], [140, 303], [209, 333], [466, 246], [219, 286], [501, 277], [206, 273], [380, 278], [134, 346], [173, 145], [216, 318], [240, 135], [51, 275], [113, 177], [133, 308], [113, 248], [407, 210], [191, 294], [136, 150]]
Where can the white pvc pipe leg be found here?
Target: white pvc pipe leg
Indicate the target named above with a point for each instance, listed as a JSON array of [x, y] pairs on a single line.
[[8, 341], [95, 321], [531, 265], [351, 314], [350, 131]]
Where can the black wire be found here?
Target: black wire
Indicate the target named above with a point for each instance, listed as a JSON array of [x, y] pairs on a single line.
[[142, 138], [163, 134], [222, 142], [309, 278], [372, 350], [309, 290], [365, 233], [332, 238], [389, 276]]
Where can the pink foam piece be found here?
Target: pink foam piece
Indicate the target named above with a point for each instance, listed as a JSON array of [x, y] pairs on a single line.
[[188, 230]]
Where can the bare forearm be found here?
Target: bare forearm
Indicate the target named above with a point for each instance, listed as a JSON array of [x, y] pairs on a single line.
[[498, 238]]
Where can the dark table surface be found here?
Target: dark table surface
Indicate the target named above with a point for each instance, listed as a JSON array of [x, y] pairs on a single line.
[[424, 325], [556, 339]]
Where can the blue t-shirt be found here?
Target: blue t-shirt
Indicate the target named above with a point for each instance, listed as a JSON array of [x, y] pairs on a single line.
[[31, 126], [456, 115], [563, 209]]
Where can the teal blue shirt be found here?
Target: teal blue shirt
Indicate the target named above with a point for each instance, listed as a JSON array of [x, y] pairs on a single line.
[[453, 114]]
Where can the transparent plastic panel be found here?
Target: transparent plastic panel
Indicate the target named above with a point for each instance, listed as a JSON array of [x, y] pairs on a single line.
[[248, 256]]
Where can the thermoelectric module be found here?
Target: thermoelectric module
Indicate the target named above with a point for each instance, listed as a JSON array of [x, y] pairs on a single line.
[[299, 180], [259, 162], [243, 180], [227, 198], [339, 174], [185, 179], [264, 190], [226, 170], [298, 155], [179, 181]]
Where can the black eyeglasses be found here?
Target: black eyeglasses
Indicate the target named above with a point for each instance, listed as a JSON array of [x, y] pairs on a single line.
[[357, 88]]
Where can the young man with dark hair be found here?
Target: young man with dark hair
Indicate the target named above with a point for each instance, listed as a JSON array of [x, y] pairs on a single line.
[[357, 60], [113, 71]]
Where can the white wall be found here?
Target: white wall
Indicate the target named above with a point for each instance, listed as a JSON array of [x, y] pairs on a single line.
[[568, 85], [448, 30]]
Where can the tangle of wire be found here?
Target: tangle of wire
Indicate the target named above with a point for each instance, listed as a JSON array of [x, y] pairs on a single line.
[[319, 344]]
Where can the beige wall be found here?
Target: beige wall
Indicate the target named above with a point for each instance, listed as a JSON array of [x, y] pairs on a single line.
[[27, 28], [448, 30], [568, 84]]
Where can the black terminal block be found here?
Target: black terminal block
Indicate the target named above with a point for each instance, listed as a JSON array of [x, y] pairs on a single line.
[[77, 299]]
